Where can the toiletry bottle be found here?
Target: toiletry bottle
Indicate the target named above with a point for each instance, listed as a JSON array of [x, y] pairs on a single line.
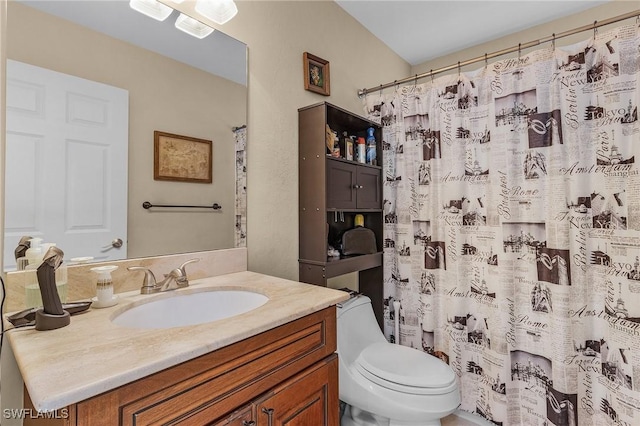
[[104, 287], [371, 147], [348, 146], [362, 157], [34, 253], [336, 145]]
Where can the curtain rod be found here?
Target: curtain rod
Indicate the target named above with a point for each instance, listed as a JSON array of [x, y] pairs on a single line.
[[517, 48]]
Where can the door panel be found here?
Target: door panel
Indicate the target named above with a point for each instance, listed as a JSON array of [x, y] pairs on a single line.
[[308, 399], [341, 179], [369, 191]]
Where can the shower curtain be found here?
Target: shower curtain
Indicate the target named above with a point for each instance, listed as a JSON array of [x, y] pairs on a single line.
[[512, 230], [240, 137]]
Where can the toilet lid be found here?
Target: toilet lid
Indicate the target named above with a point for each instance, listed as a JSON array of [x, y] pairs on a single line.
[[404, 369]]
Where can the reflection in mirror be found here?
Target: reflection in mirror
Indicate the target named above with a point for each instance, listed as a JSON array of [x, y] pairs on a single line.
[[88, 83]]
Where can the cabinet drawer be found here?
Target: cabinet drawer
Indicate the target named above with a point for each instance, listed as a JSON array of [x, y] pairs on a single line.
[[210, 387]]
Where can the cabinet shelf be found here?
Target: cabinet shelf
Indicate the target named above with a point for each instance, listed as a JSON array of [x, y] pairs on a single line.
[[335, 267], [344, 160], [331, 185]]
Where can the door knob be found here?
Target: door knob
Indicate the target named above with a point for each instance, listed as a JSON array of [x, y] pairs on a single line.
[[116, 243]]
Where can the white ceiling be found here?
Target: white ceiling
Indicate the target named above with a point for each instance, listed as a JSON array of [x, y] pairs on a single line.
[[421, 30], [218, 53]]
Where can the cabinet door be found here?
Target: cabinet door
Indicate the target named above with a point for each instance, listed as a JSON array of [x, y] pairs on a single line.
[[341, 182], [369, 192], [308, 399]]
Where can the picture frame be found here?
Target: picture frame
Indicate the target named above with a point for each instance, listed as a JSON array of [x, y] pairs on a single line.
[[182, 158], [316, 74]]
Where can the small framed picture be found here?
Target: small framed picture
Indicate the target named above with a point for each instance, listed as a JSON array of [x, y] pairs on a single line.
[[316, 74], [181, 158]]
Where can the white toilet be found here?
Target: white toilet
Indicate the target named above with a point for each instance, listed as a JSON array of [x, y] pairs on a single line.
[[385, 384]]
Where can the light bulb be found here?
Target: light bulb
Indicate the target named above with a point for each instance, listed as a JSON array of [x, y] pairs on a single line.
[[219, 11], [192, 26], [151, 8]]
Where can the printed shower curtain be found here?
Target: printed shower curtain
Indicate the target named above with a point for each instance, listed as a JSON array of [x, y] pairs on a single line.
[[512, 230]]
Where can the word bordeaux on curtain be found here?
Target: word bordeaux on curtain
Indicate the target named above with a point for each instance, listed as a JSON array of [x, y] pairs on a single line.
[[512, 230]]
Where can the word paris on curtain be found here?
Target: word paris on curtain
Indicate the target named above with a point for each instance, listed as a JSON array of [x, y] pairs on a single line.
[[512, 230]]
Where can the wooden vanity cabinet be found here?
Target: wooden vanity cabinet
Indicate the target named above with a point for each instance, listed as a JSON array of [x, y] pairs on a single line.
[[289, 373]]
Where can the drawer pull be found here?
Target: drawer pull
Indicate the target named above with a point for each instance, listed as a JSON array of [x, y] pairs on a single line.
[[269, 413], [248, 423]]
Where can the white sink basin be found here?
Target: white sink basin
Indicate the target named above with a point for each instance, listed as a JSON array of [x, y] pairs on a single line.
[[190, 309]]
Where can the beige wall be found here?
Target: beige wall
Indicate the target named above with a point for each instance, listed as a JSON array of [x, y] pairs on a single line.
[[599, 13], [277, 33], [164, 95]]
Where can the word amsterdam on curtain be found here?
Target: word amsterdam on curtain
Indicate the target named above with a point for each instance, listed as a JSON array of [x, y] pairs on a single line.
[[512, 230]]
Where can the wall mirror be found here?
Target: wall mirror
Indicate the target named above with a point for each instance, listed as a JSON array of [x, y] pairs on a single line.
[[169, 82]]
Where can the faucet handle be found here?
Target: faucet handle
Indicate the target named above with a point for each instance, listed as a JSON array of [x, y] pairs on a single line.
[[184, 272], [149, 285], [181, 273]]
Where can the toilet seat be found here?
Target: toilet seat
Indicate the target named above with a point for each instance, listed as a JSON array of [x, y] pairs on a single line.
[[405, 369]]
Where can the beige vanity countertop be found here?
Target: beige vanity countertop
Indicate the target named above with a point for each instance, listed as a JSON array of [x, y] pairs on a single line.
[[92, 355]]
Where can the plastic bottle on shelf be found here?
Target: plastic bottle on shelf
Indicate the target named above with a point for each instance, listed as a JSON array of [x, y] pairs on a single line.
[[371, 147], [336, 145], [362, 155], [348, 146]]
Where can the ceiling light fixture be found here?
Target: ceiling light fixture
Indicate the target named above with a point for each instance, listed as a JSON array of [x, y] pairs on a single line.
[[151, 8], [219, 11], [192, 26]]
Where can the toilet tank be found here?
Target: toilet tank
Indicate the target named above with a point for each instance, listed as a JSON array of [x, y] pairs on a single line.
[[357, 328]]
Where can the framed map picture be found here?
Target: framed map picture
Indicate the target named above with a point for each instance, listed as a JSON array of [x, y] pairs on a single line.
[[181, 158]]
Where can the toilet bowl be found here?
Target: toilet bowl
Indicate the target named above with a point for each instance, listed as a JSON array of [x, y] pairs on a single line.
[[385, 384]]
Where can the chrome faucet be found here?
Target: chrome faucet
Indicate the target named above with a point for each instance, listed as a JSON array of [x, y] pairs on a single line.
[[177, 278]]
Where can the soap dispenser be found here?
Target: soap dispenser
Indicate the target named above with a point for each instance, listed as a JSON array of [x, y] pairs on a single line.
[[34, 253], [104, 287]]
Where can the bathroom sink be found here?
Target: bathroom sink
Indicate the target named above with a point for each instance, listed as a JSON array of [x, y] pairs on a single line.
[[180, 310]]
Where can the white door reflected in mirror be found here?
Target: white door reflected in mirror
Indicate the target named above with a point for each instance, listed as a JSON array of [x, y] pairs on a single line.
[[68, 141]]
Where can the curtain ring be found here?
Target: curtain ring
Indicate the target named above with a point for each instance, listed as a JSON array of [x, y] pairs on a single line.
[[458, 69], [381, 90], [397, 85], [431, 73], [553, 42], [486, 61], [415, 82], [595, 29], [519, 50]]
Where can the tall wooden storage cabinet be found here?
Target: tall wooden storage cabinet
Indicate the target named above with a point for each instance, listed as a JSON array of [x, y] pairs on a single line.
[[332, 190]]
